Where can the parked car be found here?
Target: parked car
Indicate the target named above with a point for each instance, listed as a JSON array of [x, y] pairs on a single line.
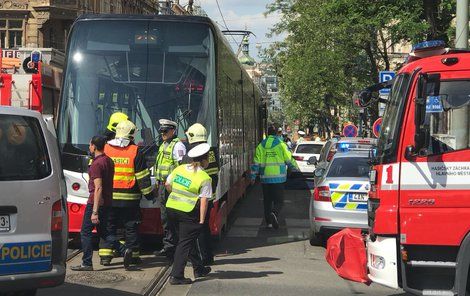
[[33, 216], [303, 152], [340, 195]]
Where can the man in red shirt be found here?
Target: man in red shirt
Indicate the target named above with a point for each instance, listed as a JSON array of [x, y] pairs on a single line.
[[100, 186]]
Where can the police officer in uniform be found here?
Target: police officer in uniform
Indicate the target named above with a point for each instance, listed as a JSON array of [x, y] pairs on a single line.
[[197, 134], [131, 181], [301, 138], [170, 154], [190, 188]]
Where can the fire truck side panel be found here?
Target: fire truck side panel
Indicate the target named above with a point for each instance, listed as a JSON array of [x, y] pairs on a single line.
[[419, 227], [387, 185], [434, 202], [5, 90]]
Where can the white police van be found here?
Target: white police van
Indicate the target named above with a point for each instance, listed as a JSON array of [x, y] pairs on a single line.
[[33, 217]]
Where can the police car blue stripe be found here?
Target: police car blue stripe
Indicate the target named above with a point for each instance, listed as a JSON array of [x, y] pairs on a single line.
[[356, 186], [340, 205], [362, 206], [25, 267], [334, 185], [343, 199]]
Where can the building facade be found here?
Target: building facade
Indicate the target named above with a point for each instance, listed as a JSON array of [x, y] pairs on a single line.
[[46, 23]]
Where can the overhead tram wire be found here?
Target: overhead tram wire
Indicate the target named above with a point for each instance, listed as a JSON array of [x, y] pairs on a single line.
[[225, 23]]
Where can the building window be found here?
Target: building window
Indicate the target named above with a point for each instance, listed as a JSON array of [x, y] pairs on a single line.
[[11, 33]]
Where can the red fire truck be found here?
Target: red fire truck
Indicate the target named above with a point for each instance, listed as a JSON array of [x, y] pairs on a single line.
[[31, 78], [419, 203]]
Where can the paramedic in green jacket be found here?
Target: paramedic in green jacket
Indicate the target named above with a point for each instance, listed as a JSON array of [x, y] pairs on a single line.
[[272, 158]]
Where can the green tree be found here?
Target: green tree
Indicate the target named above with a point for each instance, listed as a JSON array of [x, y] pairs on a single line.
[[335, 47]]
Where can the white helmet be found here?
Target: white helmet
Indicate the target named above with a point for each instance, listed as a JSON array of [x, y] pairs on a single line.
[[199, 150], [125, 129], [196, 133]]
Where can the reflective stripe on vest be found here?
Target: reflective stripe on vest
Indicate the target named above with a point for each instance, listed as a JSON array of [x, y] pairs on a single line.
[[126, 196], [165, 162], [124, 173], [185, 188]]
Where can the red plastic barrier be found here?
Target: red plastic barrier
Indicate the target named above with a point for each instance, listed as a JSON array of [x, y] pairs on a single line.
[[346, 253]]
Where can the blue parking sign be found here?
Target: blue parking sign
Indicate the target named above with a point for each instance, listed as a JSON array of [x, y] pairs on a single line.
[[385, 76]]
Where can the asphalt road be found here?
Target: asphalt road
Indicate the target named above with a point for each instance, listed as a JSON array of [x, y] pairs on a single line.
[[252, 260]]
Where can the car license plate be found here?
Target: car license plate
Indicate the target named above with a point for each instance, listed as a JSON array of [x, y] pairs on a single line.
[[4, 223], [360, 197]]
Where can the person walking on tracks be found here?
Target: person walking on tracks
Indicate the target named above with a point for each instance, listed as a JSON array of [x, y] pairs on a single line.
[[190, 188], [170, 154], [270, 161], [131, 181], [197, 134], [100, 186]]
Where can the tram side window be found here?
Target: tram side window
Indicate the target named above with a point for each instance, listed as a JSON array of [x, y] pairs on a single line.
[[23, 154], [447, 118]]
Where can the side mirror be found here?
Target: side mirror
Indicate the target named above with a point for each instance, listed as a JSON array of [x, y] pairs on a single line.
[[312, 160], [428, 84], [319, 172], [364, 98]]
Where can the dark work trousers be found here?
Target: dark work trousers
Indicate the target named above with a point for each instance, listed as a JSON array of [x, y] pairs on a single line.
[[86, 232], [203, 246], [129, 217], [188, 228], [273, 199], [169, 233]]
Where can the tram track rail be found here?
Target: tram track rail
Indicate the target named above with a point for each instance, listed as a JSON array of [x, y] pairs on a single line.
[[158, 282], [73, 254]]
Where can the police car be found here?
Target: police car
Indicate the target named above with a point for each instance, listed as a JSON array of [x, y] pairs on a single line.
[[340, 195], [33, 217]]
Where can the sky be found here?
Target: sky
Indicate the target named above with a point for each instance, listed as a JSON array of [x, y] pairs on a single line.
[[239, 14]]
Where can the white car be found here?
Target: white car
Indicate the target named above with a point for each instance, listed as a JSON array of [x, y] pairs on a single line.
[[303, 152]]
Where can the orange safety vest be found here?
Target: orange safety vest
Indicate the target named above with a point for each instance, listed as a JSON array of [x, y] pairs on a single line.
[[123, 158]]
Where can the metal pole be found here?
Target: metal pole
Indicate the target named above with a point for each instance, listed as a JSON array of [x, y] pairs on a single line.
[[461, 36], [459, 117]]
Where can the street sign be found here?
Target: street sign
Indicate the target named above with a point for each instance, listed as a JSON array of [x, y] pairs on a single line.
[[350, 130], [385, 76], [377, 127]]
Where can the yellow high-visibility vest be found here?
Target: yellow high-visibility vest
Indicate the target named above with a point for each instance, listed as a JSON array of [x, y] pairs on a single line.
[[185, 188]]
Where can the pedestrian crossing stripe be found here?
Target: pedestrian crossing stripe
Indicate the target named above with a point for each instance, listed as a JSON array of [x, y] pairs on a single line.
[[340, 200]]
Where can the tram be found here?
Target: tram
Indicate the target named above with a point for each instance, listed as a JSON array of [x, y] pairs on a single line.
[[152, 67]]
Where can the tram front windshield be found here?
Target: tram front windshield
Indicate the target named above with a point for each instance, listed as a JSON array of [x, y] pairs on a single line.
[[146, 69]]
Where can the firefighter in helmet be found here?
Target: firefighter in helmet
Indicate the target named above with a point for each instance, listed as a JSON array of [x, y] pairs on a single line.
[[197, 134], [114, 120], [131, 181]]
